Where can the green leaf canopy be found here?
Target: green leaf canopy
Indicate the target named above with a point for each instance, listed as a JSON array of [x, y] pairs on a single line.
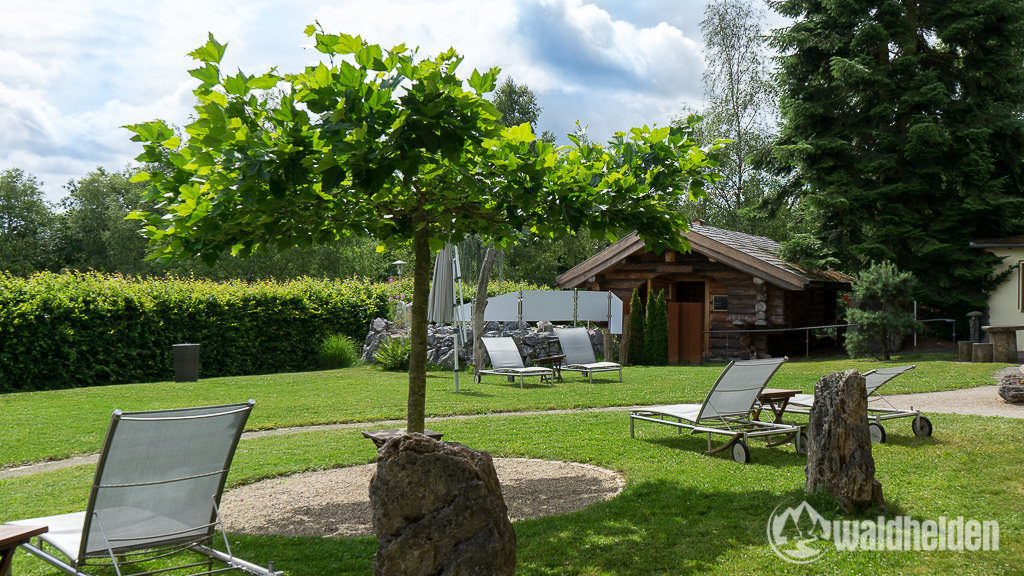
[[373, 141]]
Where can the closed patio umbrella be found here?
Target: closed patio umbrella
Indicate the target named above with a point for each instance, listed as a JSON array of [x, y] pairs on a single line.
[[445, 289]]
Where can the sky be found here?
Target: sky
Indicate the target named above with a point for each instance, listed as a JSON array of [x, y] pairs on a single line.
[[73, 72]]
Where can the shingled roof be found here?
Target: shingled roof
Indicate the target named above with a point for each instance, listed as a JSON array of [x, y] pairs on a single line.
[[755, 255]]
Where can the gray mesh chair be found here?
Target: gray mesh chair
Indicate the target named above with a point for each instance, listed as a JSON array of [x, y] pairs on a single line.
[[879, 408], [506, 361], [726, 411], [155, 494], [579, 354]]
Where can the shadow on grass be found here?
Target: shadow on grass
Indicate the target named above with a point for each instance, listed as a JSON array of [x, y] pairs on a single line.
[[665, 527], [895, 439], [780, 456], [473, 393], [308, 556], [525, 386]]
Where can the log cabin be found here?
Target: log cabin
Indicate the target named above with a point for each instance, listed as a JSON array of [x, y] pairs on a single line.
[[730, 296]]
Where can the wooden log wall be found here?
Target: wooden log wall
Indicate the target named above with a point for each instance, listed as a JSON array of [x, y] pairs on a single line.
[[752, 302]]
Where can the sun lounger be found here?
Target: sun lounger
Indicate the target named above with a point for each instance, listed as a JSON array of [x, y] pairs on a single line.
[[157, 487], [579, 354], [727, 410], [506, 361], [875, 379]]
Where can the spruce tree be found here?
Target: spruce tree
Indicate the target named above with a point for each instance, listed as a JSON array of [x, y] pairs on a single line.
[[902, 126], [636, 329], [656, 341]]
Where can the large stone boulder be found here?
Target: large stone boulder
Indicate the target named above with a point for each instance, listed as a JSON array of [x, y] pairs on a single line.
[[438, 511], [839, 460], [1011, 388]]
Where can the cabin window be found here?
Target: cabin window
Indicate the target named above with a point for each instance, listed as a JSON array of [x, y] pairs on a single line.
[[720, 303]]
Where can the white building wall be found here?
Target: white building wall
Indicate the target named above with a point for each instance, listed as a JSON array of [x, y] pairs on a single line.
[[1004, 304]]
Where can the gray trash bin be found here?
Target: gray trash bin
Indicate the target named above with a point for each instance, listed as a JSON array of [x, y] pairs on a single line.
[[186, 362]]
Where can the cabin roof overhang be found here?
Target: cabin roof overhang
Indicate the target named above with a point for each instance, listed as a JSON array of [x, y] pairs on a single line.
[[1011, 242], [767, 266]]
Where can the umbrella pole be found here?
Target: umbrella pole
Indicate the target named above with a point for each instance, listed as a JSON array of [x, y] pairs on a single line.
[[455, 312]]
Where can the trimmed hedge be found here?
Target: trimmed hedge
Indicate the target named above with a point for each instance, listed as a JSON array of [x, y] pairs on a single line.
[[70, 330], [74, 329]]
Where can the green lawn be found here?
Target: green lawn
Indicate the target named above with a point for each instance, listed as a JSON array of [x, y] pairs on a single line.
[[56, 424], [681, 512]]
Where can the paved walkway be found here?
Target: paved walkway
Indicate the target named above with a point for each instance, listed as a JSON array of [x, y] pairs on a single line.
[[980, 401]]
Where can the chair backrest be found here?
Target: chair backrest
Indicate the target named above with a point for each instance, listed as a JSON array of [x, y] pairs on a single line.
[[874, 379], [575, 343], [736, 389], [503, 352], [160, 477]]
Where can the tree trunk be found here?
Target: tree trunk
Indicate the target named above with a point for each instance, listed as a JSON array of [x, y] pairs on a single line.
[[480, 305], [418, 330]]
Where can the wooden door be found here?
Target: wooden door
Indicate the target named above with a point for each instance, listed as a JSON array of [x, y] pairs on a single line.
[[685, 332]]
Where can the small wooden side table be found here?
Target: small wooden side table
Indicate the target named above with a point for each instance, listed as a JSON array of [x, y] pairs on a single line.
[[379, 437], [553, 362], [776, 400], [10, 538]]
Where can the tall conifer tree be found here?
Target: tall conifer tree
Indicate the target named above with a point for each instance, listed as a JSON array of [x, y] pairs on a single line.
[[656, 339], [902, 126]]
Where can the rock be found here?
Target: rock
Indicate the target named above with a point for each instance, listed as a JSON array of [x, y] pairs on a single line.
[[492, 326], [1011, 388], [545, 326], [839, 460], [446, 359], [379, 329], [597, 341], [438, 511], [1012, 394]]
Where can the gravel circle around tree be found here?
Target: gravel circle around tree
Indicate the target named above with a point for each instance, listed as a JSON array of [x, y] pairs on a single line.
[[336, 502]]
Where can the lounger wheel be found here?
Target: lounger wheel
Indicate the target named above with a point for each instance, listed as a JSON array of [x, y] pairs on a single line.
[[803, 445], [877, 432], [922, 426], [740, 452]]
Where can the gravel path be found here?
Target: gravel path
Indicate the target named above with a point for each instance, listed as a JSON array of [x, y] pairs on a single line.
[[336, 503]]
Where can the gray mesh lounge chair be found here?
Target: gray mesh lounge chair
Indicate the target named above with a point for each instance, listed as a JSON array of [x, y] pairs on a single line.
[[875, 379], [158, 483], [726, 411], [579, 354], [506, 361]]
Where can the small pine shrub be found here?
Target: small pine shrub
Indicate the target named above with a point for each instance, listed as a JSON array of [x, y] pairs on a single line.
[[882, 310], [636, 329], [337, 351], [393, 354]]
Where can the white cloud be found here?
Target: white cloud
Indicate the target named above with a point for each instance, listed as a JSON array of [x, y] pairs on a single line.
[[72, 72]]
